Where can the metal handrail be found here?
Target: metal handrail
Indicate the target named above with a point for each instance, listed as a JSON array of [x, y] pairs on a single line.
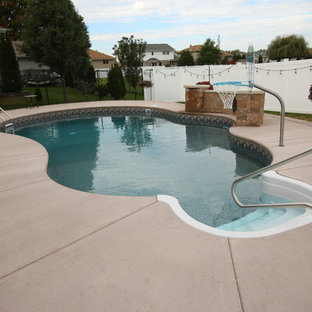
[[2, 110], [262, 170], [282, 122], [8, 124]]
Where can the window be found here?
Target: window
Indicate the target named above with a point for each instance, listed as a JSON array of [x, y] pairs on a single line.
[[105, 61], [166, 53]]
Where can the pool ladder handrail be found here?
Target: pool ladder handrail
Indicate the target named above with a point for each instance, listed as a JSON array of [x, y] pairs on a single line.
[[9, 127], [265, 169], [282, 104]]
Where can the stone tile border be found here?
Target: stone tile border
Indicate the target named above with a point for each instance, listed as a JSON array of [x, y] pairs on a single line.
[[251, 149]]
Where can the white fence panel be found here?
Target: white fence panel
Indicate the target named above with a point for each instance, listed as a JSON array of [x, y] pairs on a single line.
[[291, 80]]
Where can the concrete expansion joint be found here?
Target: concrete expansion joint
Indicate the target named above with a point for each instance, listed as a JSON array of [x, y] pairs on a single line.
[[76, 241], [25, 185], [235, 277]]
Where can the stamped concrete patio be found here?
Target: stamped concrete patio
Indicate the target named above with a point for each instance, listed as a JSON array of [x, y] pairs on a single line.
[[66, 250]]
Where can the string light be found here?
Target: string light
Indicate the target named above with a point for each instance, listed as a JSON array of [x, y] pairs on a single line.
[[219, 73], [283, 70], [166, 74], [199, 75]]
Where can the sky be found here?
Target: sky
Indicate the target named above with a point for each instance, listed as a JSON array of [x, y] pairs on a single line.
[[181, 23]]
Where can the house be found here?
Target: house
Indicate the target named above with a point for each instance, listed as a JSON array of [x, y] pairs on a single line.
[[100, 60], [101, 63], [32, 73], [194, 50], [160, 54], [263, 55], [24, 61]]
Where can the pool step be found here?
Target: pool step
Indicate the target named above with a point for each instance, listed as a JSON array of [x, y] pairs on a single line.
[[9, 128], [261, 219]]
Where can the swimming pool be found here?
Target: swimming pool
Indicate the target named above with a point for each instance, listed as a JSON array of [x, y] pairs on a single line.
[[147, 156]]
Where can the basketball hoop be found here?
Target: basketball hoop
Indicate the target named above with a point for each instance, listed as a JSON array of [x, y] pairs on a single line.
[[227, 91]]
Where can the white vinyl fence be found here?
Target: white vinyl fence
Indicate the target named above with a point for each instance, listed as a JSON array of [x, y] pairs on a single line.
[[101, 72], [291, 80]]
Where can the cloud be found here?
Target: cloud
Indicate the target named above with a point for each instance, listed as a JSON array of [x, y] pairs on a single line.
[[104, 11], [237, 21]]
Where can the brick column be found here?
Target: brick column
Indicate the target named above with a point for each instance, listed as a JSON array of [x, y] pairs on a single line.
[[194, 99], [249, 108], [249, 112]]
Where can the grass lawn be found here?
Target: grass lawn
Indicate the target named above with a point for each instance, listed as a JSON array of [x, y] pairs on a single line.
[[56, 97], [307, 117]]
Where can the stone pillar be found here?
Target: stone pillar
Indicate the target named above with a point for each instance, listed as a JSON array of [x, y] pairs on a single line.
[[249, 112], [249, 108], [194, 99]]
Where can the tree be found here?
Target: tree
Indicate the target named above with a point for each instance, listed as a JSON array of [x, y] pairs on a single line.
[[39, 94], [12, 16], [55, 35], [293, 46], [130, 53], [9, 69], [115, 83], [209, 53], [260, 60], [236, 55], [186, 59]]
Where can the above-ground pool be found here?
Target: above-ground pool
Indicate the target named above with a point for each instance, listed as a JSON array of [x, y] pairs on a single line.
[[148, 156]]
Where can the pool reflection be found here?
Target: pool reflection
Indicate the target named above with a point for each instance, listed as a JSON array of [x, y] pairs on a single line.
[[146, 156]]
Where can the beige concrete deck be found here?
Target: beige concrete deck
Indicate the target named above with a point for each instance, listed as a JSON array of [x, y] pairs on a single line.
[[65, 250]]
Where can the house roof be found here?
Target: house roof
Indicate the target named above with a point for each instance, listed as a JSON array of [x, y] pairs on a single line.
[[192, 48], [225, 53], [197, 47], [98, 56], [158, 47]]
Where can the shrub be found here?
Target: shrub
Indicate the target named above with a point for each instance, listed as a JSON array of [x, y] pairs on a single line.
[[10, 74], [115, 83], [186, 59], [207, 83], [39, 94], [102, 90]]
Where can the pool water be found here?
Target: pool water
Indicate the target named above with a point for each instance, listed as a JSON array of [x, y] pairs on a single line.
[[147, 156]]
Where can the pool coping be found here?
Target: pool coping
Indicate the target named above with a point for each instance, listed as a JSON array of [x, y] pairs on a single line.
[[249, 271], [252, 148]]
